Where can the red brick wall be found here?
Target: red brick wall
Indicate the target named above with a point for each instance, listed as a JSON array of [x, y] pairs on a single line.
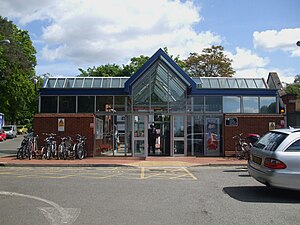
[[247, 124], [82, 124]]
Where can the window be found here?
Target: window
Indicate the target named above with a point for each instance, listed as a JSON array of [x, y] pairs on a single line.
[[119, 103], [270, 141], [232, 104], [67, 104], [268, 105], [48, 104], [104, 103], [86, 104], [250, 105], [198, 104], [213, 104], [295, 147]]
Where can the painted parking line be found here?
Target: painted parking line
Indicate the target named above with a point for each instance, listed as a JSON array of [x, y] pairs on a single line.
[[181, 173], [143, 173]]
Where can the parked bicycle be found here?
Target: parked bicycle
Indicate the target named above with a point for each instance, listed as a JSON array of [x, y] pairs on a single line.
[[242, 148], [79, 147], [28, 148], [65, 148], [49, 149]]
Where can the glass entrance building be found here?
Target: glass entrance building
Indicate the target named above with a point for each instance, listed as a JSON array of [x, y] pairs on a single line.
[[190, 114]]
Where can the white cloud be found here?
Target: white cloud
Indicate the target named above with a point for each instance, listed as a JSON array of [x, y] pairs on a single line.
[[284, 40], [247, 63], [98, 32]]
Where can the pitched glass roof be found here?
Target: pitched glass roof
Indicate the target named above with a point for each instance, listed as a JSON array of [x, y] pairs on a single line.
[[160, 81], [226, 82], [85, 82]]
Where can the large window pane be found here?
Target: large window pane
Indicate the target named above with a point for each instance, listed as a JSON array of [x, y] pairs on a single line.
[[67, 104], [268, 105], [198, 105], [250, 104], [213, 104], [86, 104], [104, 103], [232, 104], [119, 103], [48, 104]]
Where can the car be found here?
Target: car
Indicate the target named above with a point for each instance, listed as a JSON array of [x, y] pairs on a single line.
[[2, 135], [275, 159], [10, 130], [22, 129]]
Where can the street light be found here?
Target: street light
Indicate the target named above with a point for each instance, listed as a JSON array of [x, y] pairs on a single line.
[[5, 41]]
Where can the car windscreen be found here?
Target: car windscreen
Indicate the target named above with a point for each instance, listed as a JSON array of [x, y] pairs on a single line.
[[270, 141], [6, 128]]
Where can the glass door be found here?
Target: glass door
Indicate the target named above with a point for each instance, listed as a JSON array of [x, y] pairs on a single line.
[[178, 134], [159, 135], [139, 135]]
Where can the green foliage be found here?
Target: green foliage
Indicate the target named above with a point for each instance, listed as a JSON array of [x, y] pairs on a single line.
[[294, 88], [108, 70], [211, 63], [113, 70], [18, 99]]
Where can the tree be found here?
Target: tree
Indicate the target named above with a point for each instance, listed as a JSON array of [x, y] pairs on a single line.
[[108, 70], [211, 63], [17, 66], [113, 70], [294, 88]]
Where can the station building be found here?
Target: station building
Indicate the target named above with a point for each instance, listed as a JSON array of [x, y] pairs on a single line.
[[193, 116]]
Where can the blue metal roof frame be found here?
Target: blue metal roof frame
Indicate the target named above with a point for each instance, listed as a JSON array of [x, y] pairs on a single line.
[[160, 55], [191, 83], [235, 92]]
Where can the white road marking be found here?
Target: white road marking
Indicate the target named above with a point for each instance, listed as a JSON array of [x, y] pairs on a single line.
[[62, 216]]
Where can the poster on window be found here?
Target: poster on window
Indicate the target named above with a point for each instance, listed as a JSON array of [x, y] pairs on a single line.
[[212, 136]]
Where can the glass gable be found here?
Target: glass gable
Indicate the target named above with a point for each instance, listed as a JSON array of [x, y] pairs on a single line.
[[158, 87]]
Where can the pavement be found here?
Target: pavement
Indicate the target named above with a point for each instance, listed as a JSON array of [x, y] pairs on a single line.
[[188, 161]]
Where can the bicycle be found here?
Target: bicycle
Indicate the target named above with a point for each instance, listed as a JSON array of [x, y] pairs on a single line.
[[242, 149], [49, 148], [28, 148], [79, 147], [65, 149]]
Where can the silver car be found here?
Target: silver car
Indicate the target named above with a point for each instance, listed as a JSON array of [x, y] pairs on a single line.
[[275, 159]]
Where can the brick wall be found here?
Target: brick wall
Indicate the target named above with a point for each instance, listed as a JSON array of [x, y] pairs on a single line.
[[82, 124], [248, 124]]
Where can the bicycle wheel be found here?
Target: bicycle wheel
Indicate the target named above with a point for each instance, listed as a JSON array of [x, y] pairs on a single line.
[[19, 153], [43, 153], [80, 153], [29, 150], [48, 153]]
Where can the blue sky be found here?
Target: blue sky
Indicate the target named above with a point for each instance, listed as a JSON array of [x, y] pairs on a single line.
[[259, 35]]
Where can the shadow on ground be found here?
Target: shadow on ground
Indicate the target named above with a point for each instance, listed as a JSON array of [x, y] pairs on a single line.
[[262, 194]]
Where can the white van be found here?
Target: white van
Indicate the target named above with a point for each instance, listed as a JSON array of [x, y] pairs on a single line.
[[10, 130]]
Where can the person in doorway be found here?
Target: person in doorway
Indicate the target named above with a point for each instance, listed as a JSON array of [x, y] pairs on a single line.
[[152, 135]]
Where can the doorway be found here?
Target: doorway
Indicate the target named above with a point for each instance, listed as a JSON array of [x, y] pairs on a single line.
[[161, 123]]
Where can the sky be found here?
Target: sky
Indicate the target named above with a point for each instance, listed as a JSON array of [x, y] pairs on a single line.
[[258, 35]]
